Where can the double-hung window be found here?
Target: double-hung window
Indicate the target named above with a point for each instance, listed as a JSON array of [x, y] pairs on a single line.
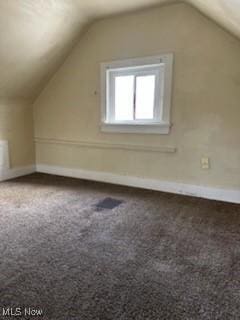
[[136, 95]]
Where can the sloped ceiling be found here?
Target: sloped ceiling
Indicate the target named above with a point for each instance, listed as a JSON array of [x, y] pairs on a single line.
[[224, 12], [35, 36]]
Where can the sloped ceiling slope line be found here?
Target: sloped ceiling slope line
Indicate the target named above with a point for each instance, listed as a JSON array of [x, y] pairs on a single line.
[[36, 36], [225, 12]]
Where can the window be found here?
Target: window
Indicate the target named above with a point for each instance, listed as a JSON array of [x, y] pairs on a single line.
[[136, 95]]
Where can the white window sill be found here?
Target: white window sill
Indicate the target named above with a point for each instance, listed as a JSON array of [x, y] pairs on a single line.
[[144, 128]]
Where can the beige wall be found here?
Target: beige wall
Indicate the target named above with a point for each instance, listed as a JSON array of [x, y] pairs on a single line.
[[16, 126], [205, 108]]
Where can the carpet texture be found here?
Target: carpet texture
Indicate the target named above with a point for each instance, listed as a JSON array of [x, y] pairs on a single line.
[[153, 256]]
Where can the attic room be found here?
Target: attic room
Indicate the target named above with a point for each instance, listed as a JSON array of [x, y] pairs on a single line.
[[120, 159]]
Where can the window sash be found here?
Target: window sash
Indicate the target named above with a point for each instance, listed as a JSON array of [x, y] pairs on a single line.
[[157, 70]]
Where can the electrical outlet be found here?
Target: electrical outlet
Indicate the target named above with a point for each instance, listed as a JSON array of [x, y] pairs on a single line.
[[205, 163]]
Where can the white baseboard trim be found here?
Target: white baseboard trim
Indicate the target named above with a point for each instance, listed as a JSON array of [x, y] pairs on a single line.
[[165, 186], [7, 174]]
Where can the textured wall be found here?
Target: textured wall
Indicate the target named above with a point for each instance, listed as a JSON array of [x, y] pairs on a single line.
[[16, 126], [205, 109]]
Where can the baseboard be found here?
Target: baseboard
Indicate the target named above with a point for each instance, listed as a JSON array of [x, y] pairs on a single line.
[[232, 196], [7, 174]]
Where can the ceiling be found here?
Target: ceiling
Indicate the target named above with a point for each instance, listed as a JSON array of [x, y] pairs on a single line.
[[35, 36]]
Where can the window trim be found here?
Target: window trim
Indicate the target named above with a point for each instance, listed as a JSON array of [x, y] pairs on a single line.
[[138, 126]]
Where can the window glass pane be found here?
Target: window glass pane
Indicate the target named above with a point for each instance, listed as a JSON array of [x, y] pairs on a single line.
[[124, 93], [145, 94]]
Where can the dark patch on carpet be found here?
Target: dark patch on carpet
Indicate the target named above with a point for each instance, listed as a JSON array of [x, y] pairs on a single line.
[[157, 257], [108, 203]]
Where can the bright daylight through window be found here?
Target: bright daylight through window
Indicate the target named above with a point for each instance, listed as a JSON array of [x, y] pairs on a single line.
[[136, 95]]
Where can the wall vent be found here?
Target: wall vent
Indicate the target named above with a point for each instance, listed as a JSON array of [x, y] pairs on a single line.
[[108, 204]]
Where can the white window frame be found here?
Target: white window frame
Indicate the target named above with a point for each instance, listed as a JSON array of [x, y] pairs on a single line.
[[162, 67]]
